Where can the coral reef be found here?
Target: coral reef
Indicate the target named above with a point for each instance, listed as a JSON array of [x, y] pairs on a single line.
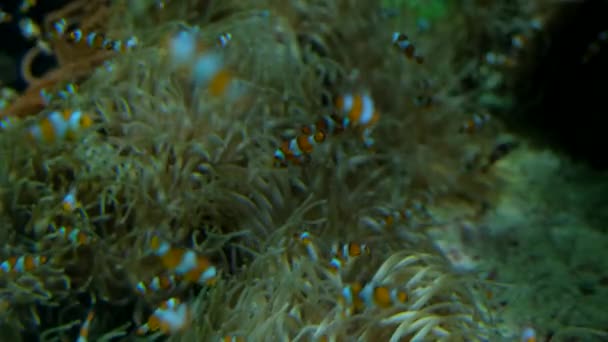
[[265, 170]]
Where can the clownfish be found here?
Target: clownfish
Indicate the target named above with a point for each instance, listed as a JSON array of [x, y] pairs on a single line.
[[29, 29], [233, 338], [359, 111], [83, 334], [305, 239], [297, 150], [209, 71], [499, 59], [382, 296], [59, 126], [185, 263], [224, 39], [350, 300], [170, 317], [60, 27], [475, 124], [328, 124], [400, 215], [69, 90], [75, 236], [206, 65], [69, 202], [403, 44], [164, 282], [519, 41], [346, 253], [528, 335], [183, 47], [412, 209], [24, 263], [355, 298], [93, 39]]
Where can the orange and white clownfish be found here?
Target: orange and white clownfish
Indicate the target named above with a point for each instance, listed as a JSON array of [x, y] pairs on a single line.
[[29, 29], [163, 282], [350, 250], [359, 111], [475, 124], [170, 317], [185, 263], [499, 59], [206, 65], [24, 263], [328, 124], [83, 335], [60, 126], [75, 236], [297, 149], [382, 296], [305, 238], [69, 90], [350, 299], [183, 47], [345, 253], [69, 202], [233, 338], [355, 297], [412, 209], [224, 39], [528, 335], [94, 40], [403, 44], [210, 72]]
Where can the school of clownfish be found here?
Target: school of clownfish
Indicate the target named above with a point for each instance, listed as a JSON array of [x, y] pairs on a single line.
[[352, 110], [181, 265], [355, 111], [359, 113], [67, 124], [519, 41], [354, 297]]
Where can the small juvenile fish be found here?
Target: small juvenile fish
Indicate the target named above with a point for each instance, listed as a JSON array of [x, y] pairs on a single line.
[[342, 254], [305, 239], [164, 282], [184, 263], [170, 317], [75, 236], [24, 263], [224, 39], [60, 126], [29, 29], [360, 112], [404, 45], [83, 335], [528, 335], [298, 149], [475, 124]]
